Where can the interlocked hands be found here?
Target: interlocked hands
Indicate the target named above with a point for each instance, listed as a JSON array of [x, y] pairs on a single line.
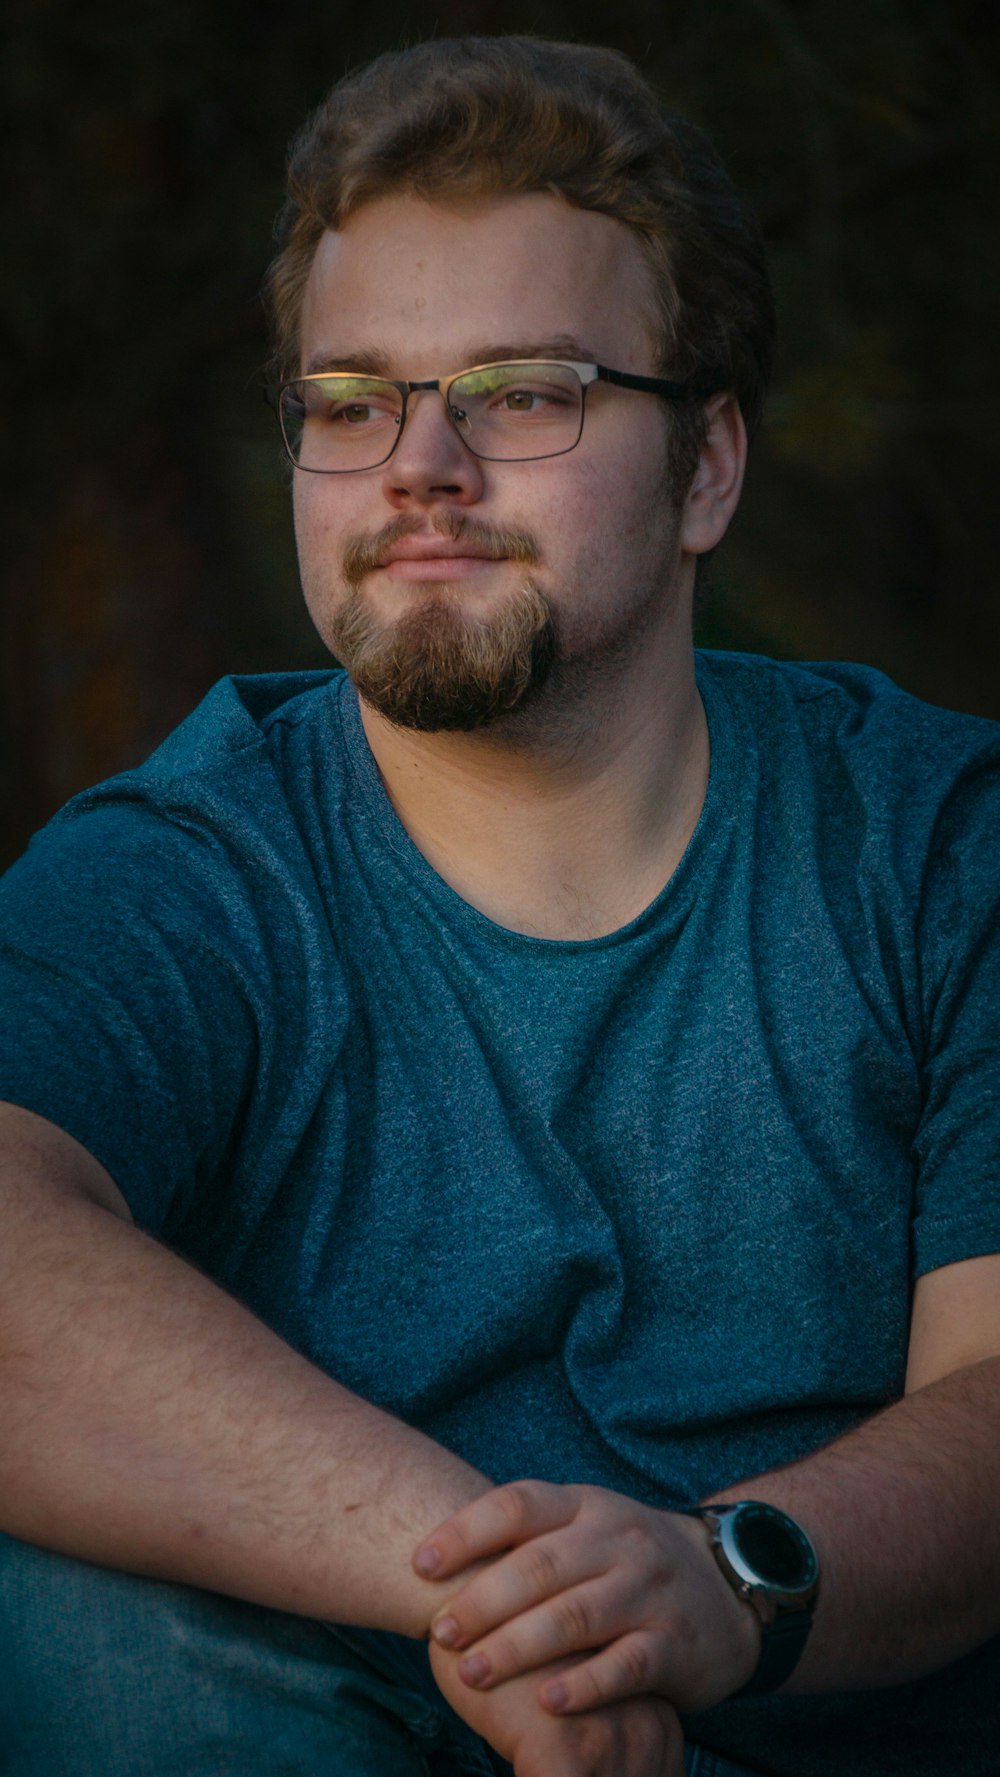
[[640, 1738], [582, 1571]]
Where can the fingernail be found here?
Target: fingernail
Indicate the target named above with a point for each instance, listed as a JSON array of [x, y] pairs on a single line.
[[428, 1561], [474, 1668], [556, 1695], [445, 1630]]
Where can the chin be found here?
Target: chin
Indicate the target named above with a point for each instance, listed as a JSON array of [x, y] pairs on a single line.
[[435, 667]]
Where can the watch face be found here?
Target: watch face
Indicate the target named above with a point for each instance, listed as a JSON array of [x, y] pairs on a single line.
[[773, 1547]]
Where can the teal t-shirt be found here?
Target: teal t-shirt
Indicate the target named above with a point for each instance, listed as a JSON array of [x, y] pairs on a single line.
[[644, 1210]]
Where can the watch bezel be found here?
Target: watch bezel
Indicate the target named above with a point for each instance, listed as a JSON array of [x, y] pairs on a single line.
[[753, 1582]]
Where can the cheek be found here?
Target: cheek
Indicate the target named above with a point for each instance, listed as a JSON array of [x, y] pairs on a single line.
[[301, 520], [613, 511], [306, 509], [577, 508], [319, 556], [622, 486], [318, 530]]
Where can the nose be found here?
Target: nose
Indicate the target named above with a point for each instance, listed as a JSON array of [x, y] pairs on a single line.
[[431, 462]]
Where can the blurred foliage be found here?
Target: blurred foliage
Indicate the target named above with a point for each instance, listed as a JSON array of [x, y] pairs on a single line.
[[149, 535]]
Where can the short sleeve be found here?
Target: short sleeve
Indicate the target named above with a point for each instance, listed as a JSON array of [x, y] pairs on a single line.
[[130, 996], [958, 1138]]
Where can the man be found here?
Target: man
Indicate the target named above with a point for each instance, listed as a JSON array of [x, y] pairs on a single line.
[[576, 1055]]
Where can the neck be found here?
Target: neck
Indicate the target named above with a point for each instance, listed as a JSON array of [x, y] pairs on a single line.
[[565, 825]]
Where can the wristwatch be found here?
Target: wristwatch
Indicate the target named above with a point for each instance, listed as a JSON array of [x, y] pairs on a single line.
[[771, 1564]]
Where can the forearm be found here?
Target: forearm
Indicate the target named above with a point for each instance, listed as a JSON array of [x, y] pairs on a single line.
[[903, 1514], [152, 1423], [902, 1511]]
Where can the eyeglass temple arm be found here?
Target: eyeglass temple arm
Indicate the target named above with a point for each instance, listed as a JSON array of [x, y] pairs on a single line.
[[656, 385]]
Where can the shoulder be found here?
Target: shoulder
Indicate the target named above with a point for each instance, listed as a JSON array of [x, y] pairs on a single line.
[[228, 739], [226, 775], [210, 833], [850, 727], [845, 698], [166, 958]]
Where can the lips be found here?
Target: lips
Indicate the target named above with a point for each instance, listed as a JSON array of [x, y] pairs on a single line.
[[436, 558], [434, 549]]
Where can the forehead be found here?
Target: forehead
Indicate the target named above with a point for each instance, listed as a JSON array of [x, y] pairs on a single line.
[[431, 287]]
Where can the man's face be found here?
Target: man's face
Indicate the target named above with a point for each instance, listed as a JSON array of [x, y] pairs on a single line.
[[572, 560]]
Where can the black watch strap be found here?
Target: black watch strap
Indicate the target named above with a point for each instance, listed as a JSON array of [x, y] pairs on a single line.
[[780, 1649]]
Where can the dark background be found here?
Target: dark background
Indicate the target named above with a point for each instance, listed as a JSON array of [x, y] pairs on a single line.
[[148, 526]]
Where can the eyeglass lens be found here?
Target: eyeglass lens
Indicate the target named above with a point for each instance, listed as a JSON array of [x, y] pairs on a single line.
[[504, 412]]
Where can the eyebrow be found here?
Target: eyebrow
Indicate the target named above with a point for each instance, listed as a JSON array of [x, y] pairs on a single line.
[[376, 362]]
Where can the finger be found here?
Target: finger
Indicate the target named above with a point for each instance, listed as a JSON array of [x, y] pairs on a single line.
[[496, 1521], [630, 1667], [549, 1756], [575, 1621], [541, 1572], [656, 1736], [638, 1738]]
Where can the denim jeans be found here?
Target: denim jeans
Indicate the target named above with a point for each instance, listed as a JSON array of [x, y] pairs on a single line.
[[103, 1674]]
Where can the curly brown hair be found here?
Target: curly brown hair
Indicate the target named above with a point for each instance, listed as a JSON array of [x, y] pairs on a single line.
[[490, 116]]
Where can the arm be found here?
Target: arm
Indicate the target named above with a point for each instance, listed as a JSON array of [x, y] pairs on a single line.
[[902, 1511], [151, 1422], [903, 1506]]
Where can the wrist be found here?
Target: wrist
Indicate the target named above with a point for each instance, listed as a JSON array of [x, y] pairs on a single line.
[[768, 1561], [736, 1629]]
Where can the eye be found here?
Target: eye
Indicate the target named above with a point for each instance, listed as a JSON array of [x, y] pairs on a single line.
[[351, 403], [351, 413], [534, 399], [517, 409]]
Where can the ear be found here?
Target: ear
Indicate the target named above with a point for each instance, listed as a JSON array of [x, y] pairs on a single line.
[[715, 490]]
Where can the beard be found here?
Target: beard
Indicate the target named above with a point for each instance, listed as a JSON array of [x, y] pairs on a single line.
[[436, 667]]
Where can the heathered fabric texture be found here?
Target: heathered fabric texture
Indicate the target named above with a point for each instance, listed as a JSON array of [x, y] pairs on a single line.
[[643, 1211]]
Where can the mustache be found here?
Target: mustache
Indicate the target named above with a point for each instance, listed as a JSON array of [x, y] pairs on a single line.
[[362, 555]]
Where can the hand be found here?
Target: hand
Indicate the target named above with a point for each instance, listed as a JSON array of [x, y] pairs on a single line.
[[589, 1569], [640, 1738]]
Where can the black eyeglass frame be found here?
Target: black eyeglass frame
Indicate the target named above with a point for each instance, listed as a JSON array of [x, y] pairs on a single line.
[[588, 374]]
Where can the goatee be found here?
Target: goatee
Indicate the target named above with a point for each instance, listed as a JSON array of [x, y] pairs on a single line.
[[438, 666]]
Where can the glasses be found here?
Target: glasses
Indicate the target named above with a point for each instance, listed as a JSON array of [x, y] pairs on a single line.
[[336, 421]]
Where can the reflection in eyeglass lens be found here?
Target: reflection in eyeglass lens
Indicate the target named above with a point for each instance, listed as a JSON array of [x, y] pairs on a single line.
[[341, 421]]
